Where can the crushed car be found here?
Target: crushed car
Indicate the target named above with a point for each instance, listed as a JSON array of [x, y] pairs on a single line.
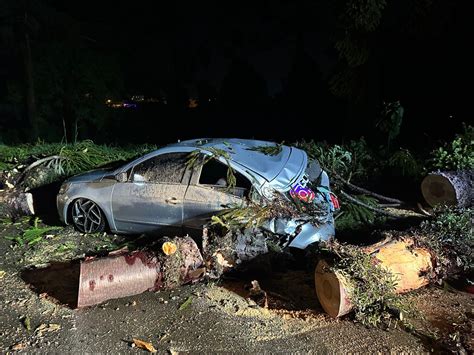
[[182, 185]]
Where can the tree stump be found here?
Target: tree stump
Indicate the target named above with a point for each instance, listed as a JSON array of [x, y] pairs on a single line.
[[411, 264], [452, 188]]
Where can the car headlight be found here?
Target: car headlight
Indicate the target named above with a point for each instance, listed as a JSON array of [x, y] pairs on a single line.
[[64, 188]]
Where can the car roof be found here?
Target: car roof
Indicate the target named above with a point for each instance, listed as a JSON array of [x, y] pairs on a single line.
[[242, 152], [280, 170]]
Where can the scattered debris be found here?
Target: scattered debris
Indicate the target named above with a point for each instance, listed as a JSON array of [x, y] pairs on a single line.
[[19, 346], [144, 345], [26, 322], [186, 303], [2, 274], [258, 295], [46, 328]]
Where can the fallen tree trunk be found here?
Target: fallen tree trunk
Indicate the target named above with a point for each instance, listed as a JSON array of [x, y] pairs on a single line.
[[412, 266], [453, 188], [16, 203], [127, 274], [176, 262]]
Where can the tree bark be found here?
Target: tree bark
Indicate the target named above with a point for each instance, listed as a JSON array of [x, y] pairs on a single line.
[[175, 261], [411, 264], [16, 203], [127, 274], [453, 188]]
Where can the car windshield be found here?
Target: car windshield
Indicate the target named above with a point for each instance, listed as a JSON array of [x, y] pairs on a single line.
[[116, 164]]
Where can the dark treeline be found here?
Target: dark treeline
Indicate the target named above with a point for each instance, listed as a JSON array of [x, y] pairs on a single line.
[[274, 70]]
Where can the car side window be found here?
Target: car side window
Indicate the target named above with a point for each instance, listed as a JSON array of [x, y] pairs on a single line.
[[214, 173], [165, 168]]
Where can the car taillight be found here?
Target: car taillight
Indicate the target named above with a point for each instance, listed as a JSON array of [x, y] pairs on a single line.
[[334, 201]]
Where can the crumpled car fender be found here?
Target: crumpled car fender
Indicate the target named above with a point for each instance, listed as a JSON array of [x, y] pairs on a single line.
[[308, 234], [311, 234]]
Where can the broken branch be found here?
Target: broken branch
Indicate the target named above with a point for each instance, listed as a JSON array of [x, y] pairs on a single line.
[[372, 208], [367, 192]]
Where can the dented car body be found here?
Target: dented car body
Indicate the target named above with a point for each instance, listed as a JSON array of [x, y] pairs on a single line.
[[160, 190]]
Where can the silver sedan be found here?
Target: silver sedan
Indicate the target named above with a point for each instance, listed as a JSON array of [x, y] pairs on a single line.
[[161, 190]]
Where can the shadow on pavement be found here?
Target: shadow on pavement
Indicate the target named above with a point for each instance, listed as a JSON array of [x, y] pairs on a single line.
[[59, 281]]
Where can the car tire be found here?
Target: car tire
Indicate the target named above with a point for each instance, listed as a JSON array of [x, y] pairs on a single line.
[[87, 217]]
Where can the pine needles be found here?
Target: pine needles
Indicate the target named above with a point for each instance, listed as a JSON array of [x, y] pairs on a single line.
[[250, 216], [372, 286], [56, 160], [268, 149], [196, 159]]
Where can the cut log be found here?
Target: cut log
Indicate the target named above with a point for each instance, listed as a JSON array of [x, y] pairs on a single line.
[[409, 263], [331, 290], [16, 203], [127, 274], [452, 188], [175, 262]]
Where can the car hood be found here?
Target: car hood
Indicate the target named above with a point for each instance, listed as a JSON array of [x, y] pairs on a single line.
[[93, 175]]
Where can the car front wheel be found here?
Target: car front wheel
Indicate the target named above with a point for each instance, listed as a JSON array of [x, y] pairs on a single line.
[[87, 217]]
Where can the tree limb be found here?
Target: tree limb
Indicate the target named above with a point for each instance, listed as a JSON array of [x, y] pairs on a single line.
[[367, 192], [369, 207], [37, 163], [41, 161]]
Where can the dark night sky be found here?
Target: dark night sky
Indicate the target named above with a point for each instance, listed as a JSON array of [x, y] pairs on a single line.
[[273, 60], [204, 37]]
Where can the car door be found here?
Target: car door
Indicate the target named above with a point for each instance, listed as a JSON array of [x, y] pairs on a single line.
[[152, 197], [208, 194]]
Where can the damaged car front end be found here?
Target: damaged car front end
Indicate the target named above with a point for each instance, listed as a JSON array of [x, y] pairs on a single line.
[[161, 190]]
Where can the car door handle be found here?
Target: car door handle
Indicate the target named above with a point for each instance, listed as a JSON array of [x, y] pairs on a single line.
[[172, 200]]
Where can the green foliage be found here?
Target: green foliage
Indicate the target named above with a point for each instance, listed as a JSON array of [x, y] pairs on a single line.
[[186, 303], [391, 120], [32, 235], [346, 82], [72, 84], [196, 158], [333, 158], [354, 214], [251, 216], [365, 14], [456, 155], [357, 20], [73, 158], [352, 160], [373, 286], [362, 159], [268, 149], [450, 234], [406, 163], [351, 49]]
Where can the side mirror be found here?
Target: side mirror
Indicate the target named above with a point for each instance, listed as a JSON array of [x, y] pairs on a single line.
[[121, 177]]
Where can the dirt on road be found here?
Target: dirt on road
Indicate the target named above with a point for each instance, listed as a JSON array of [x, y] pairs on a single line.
[[218, 316]]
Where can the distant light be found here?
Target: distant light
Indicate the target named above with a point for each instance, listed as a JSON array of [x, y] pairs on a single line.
[[193, 103], [108, 101]]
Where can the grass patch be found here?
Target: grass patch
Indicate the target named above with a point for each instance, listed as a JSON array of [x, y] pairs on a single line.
[[33, 235]]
